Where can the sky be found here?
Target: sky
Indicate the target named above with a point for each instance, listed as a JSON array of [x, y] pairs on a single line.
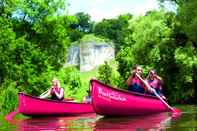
[[99, 9]]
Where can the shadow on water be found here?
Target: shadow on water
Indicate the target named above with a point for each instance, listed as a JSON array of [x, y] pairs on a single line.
[[92, 122]]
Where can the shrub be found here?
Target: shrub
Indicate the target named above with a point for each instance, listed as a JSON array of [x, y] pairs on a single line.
[[9, 97], [105, 73]]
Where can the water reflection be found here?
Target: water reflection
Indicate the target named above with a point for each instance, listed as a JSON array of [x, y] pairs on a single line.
[[93, 122], [60, 123], [156, 121]]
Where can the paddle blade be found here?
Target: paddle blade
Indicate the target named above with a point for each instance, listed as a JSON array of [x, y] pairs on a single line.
[[176, 110], [10, 116], [176, 113]]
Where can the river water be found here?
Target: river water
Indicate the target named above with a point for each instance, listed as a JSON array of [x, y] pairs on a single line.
[[187, 121]]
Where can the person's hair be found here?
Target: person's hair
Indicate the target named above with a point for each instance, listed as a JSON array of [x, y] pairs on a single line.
[[148, 77], [56, 80], [135, 67], [153, 71]]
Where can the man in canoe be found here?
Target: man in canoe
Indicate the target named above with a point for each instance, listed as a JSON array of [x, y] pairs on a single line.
[[56, 92], [136, 83]]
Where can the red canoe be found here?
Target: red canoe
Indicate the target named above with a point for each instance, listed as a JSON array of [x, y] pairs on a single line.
[[31, 105], [110, 101]]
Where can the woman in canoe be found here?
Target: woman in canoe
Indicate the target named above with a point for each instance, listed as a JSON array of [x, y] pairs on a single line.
[[155, 81], [136, 83], [56, 92], [133, 82]]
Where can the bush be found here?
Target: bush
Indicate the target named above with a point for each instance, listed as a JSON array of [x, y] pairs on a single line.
[[72, 82], [9, 97], [105, 73], [109, 75]]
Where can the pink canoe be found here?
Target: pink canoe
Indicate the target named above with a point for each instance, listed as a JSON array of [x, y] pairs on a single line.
[[31, 105], [110, 101]]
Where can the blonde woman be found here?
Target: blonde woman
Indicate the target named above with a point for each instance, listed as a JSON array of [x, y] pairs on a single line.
[[56, 92]]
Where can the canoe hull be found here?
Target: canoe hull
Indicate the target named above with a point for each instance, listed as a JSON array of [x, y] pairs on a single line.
[[30, 105], [111, 101]]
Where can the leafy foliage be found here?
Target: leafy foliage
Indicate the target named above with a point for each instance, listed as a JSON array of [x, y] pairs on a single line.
[[114, 29], [35, 36], [108, 74], [80, 26], [33, 46], [152, 45], [84, 23], [188, 18], [105, 72], [185, 53], [72, 82], [9, 96]]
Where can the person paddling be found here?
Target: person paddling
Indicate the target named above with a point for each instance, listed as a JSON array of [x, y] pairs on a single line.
[[152, 90], [155, 81], [136, 83], [133, 82], [56, 92]]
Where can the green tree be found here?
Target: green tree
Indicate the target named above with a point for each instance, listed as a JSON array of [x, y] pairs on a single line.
[[7, 7], [32, 40], [84, 22], [79, 25], [152, 45], [105, 72], [114, 29], [42, 23], [185, 53]]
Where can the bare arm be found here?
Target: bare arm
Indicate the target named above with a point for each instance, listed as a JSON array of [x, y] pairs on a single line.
[[129, 80], [84, 99], [61, 94], [45, 95], [158, 77]]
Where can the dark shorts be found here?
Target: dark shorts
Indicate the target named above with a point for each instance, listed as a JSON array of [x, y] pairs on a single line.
[[136, 88]]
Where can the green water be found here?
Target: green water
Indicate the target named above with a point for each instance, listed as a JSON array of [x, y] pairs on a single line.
[[92, 122]]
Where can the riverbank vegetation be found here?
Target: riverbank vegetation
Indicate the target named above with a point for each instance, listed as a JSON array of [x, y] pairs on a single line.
[[35, 37]]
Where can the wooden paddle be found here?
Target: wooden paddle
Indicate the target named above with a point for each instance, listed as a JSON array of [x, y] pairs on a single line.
[[44, 93], [175, 111], [161, 99], [156, 94]]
